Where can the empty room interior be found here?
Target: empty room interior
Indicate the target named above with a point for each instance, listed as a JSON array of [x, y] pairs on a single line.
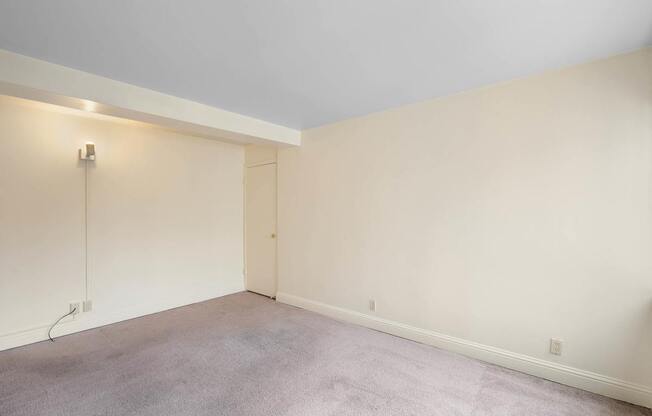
[[309, 207]]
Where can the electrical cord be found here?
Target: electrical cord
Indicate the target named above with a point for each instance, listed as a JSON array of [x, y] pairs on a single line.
[[59, 320], [86, 229], [72, 312]]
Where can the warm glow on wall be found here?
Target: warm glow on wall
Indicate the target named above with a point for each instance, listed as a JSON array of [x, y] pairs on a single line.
[[89, 105]]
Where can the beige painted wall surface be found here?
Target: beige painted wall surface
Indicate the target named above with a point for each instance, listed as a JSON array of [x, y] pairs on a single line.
[[165, 218], [506, 215], [255, 155]]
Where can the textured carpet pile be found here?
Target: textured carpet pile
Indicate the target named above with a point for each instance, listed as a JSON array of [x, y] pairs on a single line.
[[247, 355]]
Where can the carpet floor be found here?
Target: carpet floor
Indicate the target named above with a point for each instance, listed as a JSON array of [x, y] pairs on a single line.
[[244, 354]]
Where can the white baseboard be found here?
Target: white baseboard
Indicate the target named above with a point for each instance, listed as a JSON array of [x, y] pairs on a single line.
[[96, 319], [575, 377]]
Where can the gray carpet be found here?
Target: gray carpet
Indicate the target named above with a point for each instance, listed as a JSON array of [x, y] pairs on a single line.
[[247, 355]]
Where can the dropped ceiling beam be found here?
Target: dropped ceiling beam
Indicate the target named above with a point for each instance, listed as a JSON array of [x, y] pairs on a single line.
[[24, 77]]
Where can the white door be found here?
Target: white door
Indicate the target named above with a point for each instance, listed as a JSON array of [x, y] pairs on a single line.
[[260, 229]]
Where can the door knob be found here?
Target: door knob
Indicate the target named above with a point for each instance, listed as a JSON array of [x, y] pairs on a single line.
[[273, 235]]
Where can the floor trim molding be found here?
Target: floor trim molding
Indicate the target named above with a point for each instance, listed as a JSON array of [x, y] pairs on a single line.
[[575, 377], [97, 319]]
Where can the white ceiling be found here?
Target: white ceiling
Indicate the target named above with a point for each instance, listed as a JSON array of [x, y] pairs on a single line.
[[304, 63]]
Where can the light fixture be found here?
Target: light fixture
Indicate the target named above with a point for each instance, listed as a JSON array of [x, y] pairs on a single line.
[[87, 152]]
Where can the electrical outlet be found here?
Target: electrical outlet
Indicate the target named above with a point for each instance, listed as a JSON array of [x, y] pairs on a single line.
[[372, 305], [87, 306], [555, 346], [75, 306]]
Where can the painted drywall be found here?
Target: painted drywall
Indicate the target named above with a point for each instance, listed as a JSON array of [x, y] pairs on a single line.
[[257, 155], [30, 78], [503, 216], [307, 63], [165, 217]]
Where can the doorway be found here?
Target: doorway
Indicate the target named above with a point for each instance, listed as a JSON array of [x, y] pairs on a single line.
[[260, 229]]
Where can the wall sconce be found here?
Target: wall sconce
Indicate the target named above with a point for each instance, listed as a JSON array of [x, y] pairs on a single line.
[[87, 152]]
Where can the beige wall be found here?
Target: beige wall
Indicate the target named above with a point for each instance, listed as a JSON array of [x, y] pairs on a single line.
[[504, 216], [164, 222], [256, 155]]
